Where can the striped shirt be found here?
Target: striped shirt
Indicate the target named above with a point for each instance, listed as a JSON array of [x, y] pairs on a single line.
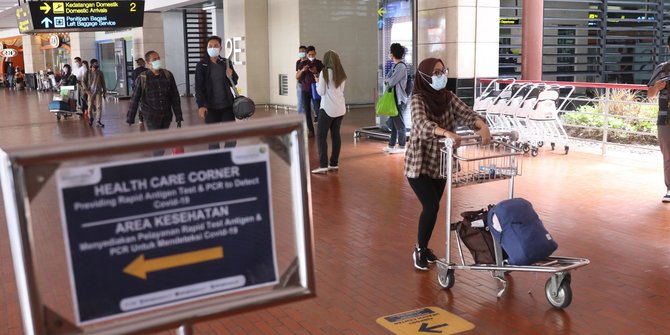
[[423, 147], [662, 94]]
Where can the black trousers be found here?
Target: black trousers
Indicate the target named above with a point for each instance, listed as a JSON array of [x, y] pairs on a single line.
[[324, 124], [429, 191], [217, 116]]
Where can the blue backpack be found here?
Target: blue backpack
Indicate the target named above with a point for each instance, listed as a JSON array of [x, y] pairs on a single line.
[[519, 230]]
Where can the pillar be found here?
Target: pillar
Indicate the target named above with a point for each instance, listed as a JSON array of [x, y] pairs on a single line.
[[532, 28], [82, 45]]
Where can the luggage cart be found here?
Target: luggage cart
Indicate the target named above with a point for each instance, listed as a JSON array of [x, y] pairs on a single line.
[[475, 163], [65, 106]]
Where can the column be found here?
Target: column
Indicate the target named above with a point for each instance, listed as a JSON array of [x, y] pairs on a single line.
[[532, 29], [33, 56], [82, 45]]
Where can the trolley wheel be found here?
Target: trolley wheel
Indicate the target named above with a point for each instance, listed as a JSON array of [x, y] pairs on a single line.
[[563, 296], [58, 116], [553, 146], [534, 152], [525, 147], [540, 144], [446, 278], [567, 148]]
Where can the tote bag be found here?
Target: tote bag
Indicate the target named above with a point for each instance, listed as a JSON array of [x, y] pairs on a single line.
[[386, 105]]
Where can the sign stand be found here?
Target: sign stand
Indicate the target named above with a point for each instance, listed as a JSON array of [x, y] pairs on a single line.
[[145, 236]]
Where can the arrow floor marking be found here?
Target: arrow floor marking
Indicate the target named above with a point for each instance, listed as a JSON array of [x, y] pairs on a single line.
[[140, 267], [425, 329]]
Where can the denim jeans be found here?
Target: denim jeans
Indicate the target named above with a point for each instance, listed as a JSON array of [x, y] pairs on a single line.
[[157, 125], [324, 124], [397, 126]]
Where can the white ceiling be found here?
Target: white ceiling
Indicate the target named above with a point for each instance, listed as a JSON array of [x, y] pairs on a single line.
[[7, 19]]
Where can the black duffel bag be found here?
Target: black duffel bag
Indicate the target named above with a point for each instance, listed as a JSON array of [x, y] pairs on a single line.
[[243, 107]]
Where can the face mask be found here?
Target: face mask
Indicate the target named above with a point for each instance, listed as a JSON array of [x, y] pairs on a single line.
[[156, 64], [301, 55], [439, 82], [311, 59], [213, 52]]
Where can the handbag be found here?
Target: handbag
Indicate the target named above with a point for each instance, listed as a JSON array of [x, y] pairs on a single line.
[[478, 238], [243, 107], [315, 93], [386, 105]]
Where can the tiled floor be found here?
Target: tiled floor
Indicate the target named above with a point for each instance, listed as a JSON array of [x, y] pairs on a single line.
[[606, 209]]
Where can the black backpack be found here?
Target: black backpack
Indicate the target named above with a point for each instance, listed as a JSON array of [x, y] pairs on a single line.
[[409, 85]]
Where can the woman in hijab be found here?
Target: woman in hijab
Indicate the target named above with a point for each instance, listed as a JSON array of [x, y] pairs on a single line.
[[436, 112], [67, 78]]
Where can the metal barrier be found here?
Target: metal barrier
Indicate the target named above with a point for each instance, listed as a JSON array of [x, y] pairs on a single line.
[[601, 97]]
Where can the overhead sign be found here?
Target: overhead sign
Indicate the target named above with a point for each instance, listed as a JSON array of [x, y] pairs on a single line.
[[506, 21], [160, 231], [429, 320], [8, 53], [73, 16]]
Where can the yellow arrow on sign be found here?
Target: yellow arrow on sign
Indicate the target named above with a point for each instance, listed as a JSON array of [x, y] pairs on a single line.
[[140, 267], [46, 8], [381, 11]]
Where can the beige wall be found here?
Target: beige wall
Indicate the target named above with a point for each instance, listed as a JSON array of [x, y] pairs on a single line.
[[348, 27], [284, 39]]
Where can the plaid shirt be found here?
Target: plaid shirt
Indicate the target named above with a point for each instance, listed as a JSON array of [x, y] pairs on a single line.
[[160, 101], [423, 147]]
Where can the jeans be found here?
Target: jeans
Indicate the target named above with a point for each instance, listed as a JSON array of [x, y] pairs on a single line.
[[152, 125], [429, 191], [299, 107], [307, 101], [398, 131], [325, 124], [217, 116]]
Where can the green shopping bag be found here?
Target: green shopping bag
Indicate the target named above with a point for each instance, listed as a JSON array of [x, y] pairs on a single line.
[[386, 105]]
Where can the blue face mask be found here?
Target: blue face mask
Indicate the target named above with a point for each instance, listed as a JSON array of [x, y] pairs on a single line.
[[156, 64], [439, 82], [301, 55]]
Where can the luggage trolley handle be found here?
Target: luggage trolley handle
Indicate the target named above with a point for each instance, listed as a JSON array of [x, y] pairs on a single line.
[[477, 139]]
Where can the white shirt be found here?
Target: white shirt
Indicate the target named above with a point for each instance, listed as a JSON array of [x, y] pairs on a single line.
[[332, 98], [78, 71]]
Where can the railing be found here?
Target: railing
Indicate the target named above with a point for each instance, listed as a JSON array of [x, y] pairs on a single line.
[[607, 116]]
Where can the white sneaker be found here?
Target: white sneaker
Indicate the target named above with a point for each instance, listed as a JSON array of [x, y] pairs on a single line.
[[388, 150], [398, 151], [321, 170], [333, 168], [666, 198]]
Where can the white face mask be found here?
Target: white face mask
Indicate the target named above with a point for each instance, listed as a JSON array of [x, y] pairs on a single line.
[[213, 52], [311, 59], [436, 82]]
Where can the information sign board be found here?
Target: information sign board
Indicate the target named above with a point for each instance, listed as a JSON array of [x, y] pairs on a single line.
[[73, 16], [154, 232]]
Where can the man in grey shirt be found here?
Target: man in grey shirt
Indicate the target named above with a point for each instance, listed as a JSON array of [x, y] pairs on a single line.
[[213, 84], [658, 85]]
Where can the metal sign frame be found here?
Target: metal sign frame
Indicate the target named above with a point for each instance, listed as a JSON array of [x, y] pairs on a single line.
[[296, 282]]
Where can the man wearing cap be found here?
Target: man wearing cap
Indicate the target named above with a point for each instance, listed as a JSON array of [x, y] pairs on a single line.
[[141, 67]]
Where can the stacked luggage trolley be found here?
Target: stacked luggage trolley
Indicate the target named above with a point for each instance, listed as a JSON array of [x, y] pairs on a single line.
[[475, 163], [529, 108]]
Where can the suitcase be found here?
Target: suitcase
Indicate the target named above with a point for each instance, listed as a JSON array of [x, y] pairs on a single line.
[[59, 106], [519, 230]]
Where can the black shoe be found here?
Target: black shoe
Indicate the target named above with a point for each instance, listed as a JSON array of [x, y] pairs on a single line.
[[99, 124], [430, 256], [420, 261], [90, 122]]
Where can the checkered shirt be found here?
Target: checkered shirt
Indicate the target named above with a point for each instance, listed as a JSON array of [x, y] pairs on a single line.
[[423, 147]]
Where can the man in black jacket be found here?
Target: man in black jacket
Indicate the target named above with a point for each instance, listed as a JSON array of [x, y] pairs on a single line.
[[141, 67], [213, 93]]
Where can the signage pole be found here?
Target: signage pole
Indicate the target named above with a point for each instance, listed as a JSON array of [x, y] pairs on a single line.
[[185, 329]]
